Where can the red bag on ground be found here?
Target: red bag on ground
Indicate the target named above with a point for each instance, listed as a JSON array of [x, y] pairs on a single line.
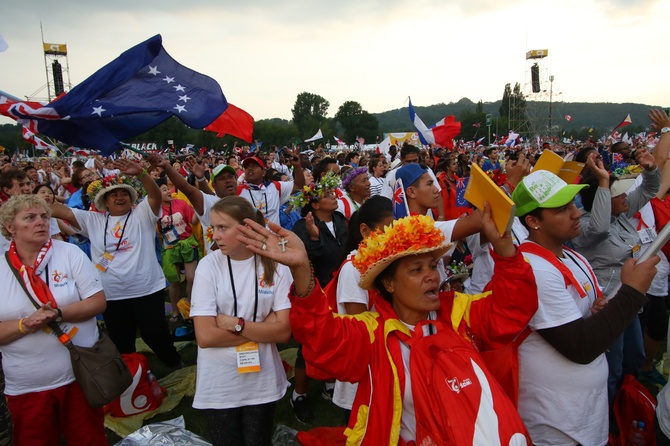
[[634, 403], [139, 397]]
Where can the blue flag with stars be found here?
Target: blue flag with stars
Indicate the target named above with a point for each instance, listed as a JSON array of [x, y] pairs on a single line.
[[140, 89]]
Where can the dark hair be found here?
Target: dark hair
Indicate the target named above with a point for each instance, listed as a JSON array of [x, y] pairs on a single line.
[[373, 212], [322, 167], [588, 194], [7, 177], [373, 163], [351, 155], [583, 154], [617, 146], [40, 186], [238, 209], [76, 177], [388, 272], [78, 164], [537, 213], [408, 149], [162, 181]]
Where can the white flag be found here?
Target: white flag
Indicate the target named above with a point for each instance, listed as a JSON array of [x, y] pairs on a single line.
[[385, 145], [3, 44], [318, 135]]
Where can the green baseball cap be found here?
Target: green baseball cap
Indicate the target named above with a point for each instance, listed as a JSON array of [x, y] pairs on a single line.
[[220, 168], [543, 189]]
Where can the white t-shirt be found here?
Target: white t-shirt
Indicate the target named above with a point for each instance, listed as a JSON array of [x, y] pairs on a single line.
[[348, 291], [347, 206], [207, 202], [376, 185], [268, 199], [218, 384], [483, 264], [560, 401], [38, 361], [135, 271]]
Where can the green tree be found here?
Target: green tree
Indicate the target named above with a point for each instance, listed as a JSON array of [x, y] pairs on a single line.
[[309, 113], [356, 122]]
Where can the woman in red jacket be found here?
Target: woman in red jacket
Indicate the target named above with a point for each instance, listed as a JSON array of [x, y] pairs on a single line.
[[376, 348]]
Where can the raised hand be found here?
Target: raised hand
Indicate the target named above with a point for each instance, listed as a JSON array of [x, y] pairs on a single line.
[[157, 160], [502, 244], [127, 167]]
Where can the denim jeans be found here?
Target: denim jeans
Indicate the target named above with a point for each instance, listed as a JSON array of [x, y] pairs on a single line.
[[625, 357]]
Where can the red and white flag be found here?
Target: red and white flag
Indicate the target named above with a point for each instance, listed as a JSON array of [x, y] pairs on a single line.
[[568, 118], [34, 140]]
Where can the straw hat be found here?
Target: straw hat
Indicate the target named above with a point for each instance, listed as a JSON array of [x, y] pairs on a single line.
[[407, 236]]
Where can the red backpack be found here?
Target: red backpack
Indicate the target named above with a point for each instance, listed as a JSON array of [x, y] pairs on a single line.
[[634, 403], [444, 366], [139, 397]]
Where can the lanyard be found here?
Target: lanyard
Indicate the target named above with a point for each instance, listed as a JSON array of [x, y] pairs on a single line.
[[171, 225], [232, 283], [104, 239], [253, 202], [356, 205], [588, 276]]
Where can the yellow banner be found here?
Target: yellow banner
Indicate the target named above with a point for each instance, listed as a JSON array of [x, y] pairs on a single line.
[[56, 49], [397, 139]]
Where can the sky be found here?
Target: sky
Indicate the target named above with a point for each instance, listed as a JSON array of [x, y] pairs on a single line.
[[377, 52]]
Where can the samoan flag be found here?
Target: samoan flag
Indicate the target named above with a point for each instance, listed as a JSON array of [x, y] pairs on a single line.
[[400, 208], [461, 185], [140, 89]]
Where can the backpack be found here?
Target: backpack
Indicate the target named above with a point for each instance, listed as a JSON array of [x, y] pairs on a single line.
[[634, 403], [446, 366], [137, 398]]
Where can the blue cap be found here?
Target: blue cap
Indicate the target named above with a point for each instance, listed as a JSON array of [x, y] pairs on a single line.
[[409, 173]]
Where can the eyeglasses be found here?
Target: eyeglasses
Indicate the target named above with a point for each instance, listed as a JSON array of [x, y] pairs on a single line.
[[88, 175]]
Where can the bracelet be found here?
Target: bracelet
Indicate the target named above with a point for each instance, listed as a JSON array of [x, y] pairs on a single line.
[[144, 172], [511, 188], [201, 180], [312, 284], [22, 329]]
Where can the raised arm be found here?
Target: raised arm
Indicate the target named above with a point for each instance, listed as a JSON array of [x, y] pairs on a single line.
[[64, 213], [191, 192], [154, 196]]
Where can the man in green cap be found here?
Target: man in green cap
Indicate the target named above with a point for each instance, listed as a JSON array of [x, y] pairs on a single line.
[[563, 371]]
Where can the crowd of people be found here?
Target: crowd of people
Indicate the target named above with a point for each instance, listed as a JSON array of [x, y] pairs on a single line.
[[401, 317]]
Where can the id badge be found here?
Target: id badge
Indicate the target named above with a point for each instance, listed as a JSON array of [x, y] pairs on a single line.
[[171, 236], [248, 358], [647, 235], [636, 251], [67, 328], [104, 262]]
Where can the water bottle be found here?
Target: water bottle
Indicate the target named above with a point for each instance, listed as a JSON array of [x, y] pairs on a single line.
[[156, 389], [638, 436]]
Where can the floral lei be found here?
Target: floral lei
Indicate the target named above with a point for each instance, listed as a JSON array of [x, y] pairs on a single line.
[[112, 180], [404, 235], [314, 191]]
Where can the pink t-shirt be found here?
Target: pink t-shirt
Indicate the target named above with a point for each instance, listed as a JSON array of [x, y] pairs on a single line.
[[182, 215]]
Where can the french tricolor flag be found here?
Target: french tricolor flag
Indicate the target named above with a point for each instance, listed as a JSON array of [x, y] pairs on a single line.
[[441, 134]]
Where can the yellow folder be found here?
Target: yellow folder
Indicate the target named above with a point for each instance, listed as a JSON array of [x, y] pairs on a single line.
[[482, 188]]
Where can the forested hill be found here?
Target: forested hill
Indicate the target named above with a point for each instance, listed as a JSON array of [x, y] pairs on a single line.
[[598, 115]]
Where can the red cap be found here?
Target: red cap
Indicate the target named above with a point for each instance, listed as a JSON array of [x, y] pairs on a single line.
[[255, 160]]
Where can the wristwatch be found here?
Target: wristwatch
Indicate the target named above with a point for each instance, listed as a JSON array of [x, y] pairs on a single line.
[[60, 315], [239, 326], [665, 130]]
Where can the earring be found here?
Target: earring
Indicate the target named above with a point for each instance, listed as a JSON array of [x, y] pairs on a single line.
[[536, 228]]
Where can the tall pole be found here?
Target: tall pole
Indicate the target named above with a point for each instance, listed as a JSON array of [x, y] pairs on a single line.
[[551, 96]]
